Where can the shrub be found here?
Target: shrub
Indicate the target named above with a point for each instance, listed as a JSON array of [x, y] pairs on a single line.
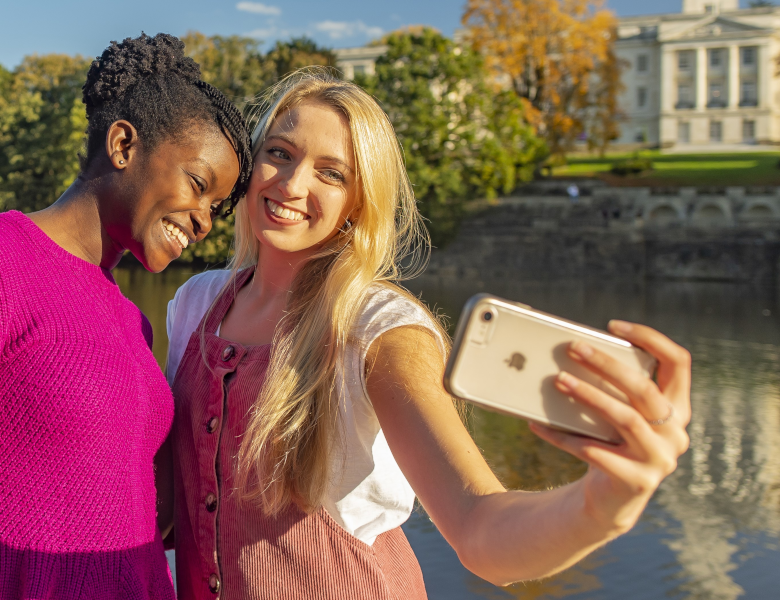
[[631, 166]]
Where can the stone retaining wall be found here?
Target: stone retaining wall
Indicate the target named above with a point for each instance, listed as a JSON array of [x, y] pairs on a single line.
[[621, 232]]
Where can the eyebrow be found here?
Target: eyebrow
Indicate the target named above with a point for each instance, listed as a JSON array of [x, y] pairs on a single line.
[[284, 138], [207, 166]]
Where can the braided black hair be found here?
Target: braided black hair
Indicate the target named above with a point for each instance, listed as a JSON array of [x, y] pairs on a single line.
[[149, 82]]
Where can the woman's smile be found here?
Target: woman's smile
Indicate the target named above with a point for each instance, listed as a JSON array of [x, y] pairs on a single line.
[[175, 236], [303, 187], [284, 214]]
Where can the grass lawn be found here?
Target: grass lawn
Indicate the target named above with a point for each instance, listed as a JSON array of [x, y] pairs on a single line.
[[744, 169]]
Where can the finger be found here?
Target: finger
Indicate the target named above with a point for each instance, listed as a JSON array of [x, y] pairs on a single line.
[[674, 361], [641, 390], [613, 460], [629, 423]]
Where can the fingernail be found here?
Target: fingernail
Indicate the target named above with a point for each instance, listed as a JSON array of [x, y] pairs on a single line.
[[567, 381], [582, 349], [620, 326]]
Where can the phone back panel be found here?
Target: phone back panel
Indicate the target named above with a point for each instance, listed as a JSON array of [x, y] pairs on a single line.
[[509, 363]]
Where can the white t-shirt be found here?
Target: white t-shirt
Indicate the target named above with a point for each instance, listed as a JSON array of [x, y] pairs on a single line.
[[368, 494]]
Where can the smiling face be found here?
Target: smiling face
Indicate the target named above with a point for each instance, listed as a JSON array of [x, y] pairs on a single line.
[[303, 185], [164, 199]]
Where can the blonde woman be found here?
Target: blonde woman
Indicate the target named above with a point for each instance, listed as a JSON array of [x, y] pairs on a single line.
[[309, 404]]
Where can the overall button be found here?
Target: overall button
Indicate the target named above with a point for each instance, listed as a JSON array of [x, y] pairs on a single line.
[[228, 353], [211, 426], [211, 503], [214, 583]]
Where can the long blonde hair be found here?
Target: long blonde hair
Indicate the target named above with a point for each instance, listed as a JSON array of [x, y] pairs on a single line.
[[286, 451]]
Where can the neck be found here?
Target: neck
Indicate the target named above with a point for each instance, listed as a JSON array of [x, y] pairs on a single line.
[[275, 274], [73, 223]]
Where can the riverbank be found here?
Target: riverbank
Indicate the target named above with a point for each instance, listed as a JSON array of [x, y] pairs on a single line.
[[731, 234]]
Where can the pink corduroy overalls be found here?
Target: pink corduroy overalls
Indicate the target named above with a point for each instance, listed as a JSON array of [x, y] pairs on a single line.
[[227, 548]]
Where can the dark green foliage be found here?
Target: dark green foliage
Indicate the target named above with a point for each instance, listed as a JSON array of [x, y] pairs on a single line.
[[632, 166], [42, 123], [461, 139], [286, 57]]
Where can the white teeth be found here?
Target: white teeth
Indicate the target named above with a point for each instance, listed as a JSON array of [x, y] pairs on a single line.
[[177, 234], [285, 213]]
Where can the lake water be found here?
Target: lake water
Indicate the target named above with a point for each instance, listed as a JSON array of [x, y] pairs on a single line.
[[712, 531]]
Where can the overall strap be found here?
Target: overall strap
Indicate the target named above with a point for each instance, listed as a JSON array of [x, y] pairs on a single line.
[[215, 314]]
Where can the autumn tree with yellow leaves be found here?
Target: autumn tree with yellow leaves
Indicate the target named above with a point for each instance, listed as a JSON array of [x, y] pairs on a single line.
[[557, 55]]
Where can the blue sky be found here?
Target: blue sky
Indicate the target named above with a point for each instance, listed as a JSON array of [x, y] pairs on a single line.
[[86, 26]]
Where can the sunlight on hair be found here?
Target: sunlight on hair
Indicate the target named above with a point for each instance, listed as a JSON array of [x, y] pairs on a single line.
[[286, 451]]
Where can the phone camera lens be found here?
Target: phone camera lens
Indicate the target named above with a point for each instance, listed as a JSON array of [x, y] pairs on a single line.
[[487, 315]]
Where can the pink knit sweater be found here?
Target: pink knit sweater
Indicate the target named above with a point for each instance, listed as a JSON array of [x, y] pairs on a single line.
[[85, 408]]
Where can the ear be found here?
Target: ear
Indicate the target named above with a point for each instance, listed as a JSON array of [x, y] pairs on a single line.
[[122, 143]]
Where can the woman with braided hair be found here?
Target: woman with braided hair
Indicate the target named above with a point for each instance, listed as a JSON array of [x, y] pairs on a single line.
[[87, 405]]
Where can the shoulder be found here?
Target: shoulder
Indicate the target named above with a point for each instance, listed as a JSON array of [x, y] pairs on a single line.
[[193, 299], [11, 228], [388, 307], [199, 291]]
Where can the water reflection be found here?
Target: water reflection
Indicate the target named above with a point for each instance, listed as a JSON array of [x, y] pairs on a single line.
[[713, 529]]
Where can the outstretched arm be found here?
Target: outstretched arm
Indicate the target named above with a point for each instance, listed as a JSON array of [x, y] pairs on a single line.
[[511, 536]]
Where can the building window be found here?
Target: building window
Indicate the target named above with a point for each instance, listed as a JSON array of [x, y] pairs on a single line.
[[709, 8], [684, 132], [359, 69], [684, 96], [748, 56], [641, 63], [684, 61], [749, 131], [717, 98], [715, 58], [716, 131], [748, 94], [641, 97]]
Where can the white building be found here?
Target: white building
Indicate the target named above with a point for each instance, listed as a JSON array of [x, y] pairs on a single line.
[[703, 77]]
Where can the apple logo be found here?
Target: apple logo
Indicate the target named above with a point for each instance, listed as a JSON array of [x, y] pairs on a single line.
[[516, 361]]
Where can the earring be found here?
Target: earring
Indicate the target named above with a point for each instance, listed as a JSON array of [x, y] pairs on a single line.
[[346, 227], [121, 162]]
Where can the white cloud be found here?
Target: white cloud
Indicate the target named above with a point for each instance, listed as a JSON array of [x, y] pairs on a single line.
[[259, 8], [342, 29], [262, 34]]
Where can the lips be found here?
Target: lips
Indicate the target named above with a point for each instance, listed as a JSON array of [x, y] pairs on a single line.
[[285, 212], [175, 235]]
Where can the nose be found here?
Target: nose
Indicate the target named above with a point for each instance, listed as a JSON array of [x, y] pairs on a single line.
[[201, 221], [293, 183]]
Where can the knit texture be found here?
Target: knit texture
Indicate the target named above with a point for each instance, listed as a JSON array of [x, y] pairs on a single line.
[[86, 408]]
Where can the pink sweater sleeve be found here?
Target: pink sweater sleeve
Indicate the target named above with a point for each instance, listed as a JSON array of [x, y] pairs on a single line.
[[5, 313]]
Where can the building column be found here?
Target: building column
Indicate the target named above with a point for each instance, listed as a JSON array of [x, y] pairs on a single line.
[[701, 78], [668, 80], [764, 76], [733, 76]]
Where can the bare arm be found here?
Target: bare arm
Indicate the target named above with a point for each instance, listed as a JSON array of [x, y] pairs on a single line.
[[510, 536]]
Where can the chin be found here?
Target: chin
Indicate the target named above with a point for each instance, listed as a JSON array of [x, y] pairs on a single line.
[[153, 264]]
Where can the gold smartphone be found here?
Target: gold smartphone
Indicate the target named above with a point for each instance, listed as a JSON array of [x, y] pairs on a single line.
[[506, 355]]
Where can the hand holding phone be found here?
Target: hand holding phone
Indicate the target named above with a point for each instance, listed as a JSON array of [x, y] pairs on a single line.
[[506, 357]]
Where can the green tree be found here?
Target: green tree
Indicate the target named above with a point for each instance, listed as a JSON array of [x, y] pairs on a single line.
[[233, 64], [42, 124], [461, 139], [287, 57]]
